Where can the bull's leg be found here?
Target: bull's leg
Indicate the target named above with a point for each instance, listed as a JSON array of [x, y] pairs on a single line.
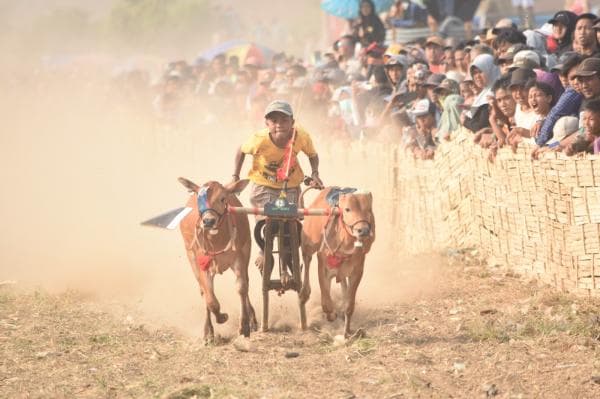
[[344, 287], [304, 293], [353, 283], [209, 331], [242, 287], [206, 281], [251, 315], [202, 278], [325, 284]]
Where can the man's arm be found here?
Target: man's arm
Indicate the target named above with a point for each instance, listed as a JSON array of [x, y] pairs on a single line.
[[314, 165], [239, 161]]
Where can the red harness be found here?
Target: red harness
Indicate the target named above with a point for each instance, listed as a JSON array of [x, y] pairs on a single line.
[[334, 260]]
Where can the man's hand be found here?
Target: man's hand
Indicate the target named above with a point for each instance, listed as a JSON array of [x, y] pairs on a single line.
[[234, 179], [316, 181]]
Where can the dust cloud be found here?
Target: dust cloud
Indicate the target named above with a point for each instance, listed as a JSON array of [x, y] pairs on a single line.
[[82, 163]]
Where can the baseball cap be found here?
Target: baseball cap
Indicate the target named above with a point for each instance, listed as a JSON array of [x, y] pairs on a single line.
[[526, 59], [435, 79], [596, 24], [589, 66], [563, 128], [455, 75], [435, 40], [422, 107], [521, 76], [448, 85], [564, 17], [279, 106]]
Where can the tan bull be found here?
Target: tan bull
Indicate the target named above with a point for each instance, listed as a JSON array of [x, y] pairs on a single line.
[[341, 243], [216, 240]]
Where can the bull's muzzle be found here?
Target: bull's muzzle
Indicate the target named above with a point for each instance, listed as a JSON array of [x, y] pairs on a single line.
[[209, 222], [363, 231]]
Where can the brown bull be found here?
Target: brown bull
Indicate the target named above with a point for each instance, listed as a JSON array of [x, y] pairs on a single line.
[[216, 240], [341, 243]]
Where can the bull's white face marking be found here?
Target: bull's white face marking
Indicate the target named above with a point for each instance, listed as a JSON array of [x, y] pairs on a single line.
[[213, 232]]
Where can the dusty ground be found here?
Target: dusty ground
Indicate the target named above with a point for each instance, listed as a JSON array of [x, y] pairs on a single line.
[[479, 331]]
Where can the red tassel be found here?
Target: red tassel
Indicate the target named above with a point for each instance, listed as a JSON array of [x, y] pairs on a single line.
[[203, 262], [334, 261]]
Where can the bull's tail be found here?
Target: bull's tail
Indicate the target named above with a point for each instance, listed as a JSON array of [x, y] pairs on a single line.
[[190, 185]]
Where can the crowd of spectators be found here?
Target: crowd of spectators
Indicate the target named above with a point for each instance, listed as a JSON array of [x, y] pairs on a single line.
[[507, 85]]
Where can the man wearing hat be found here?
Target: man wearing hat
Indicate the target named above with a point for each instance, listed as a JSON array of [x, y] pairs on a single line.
[[423, 112], [588, 76], [395, 69], [268, 149], [434, 54], [431, 83]]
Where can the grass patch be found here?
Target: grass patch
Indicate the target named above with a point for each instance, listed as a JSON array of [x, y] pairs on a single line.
[[365, 346], [486, 330]]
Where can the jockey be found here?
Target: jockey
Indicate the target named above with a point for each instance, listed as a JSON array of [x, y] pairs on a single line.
[[272, 164], [275, 165]]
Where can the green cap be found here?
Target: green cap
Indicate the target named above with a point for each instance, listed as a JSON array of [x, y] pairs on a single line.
[[279, 106]]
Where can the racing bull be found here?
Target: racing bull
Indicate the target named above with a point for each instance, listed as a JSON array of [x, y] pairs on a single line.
[[341, 242]]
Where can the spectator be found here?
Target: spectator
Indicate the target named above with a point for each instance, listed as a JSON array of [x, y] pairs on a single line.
[[484, 73], [567, 105], [540, 99], [502, 110], [584, 38], [434, 54], [423, 146], [591, 124], [432, 82], [368, 27], [520, 79], [450, 119], [461, 58], [508, 37], [563, 26], [587, 75]]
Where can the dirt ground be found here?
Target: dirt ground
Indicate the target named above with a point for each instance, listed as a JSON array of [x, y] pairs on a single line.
[[477, 331]]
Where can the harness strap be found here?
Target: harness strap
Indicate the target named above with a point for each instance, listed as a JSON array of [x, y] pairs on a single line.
[[335, 257], [207, 257]]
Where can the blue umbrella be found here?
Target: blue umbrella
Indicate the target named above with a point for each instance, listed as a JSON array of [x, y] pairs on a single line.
[[348, 9]]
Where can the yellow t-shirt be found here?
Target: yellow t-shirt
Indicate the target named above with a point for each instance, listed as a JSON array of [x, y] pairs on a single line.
[[267, 158]]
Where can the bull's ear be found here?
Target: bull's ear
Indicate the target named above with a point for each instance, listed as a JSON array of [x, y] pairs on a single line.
[[190, 185], [237, 187]]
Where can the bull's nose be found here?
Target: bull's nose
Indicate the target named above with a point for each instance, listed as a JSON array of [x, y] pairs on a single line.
[[209, 222], [363, 232]]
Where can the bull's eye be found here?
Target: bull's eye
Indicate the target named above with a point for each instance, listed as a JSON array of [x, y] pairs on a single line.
[[223, 200], [347, 210]]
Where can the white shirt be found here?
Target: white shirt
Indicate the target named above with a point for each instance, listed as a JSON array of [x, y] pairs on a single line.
[[526, 120]]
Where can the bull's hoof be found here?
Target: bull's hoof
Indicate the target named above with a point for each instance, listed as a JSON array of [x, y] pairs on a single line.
[[331, 316], [245, 330], [209, 340], [222, 318]]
